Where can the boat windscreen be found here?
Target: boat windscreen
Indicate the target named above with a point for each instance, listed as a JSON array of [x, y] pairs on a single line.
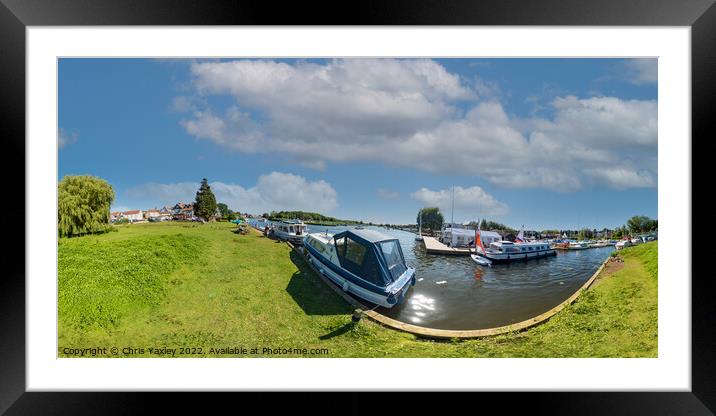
[[393, 257]]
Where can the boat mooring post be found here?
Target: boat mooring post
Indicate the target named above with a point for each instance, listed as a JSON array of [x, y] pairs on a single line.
[[357, 315]]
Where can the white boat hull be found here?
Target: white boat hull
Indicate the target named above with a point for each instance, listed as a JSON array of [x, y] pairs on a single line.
[[480, 260]]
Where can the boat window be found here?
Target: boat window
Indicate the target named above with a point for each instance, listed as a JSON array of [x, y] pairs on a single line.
[[393, 258], [359, 260], [355, 252], [341, 246]]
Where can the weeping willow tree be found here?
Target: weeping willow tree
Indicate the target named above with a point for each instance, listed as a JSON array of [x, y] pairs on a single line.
[[83, 205]]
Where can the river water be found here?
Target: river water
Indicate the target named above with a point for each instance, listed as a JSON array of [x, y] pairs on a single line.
[[454, 292]]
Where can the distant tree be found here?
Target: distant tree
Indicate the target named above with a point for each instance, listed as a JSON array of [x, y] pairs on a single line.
[[205, 203], [641, 224], [585, 234], [83, 204], [620, 232], [432, 218], [265, 215], [223, 209]]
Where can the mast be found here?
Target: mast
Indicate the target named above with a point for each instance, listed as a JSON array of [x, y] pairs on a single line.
[[452, 214]]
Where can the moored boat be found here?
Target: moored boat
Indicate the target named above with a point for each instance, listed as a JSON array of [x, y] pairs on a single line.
[[578, 245], [507, 251], [560, 245], [623, 243], [480, 260], [290, 230], [366, 263]]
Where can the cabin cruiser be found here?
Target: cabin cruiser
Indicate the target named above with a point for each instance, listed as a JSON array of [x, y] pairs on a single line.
[[560, 245], [290, 230], [507, 251], [366, 263], [623, 243], [578, 245]]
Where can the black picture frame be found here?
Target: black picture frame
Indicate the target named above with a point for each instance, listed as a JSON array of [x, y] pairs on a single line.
[[16, 15]]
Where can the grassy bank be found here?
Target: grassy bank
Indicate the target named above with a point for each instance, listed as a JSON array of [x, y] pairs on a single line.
[[202, 286]]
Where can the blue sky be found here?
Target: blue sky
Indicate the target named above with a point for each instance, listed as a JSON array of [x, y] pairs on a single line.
[[548, 143]]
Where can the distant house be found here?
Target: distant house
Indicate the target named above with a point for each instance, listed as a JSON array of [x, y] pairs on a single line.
[[165, 213], [133, 215], [151, 213], [182, 211], [114, 216]]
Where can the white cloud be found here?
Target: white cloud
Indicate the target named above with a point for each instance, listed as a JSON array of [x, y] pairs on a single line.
[[387, 193], [65, 138], [472, 200], [274, 191], [181, 104], [235, 130], [622, 178], [642, 71], [405, 113]]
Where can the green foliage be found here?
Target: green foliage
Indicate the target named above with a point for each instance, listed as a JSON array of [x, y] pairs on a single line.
[[205, 203], [620, 232], [102, 281], [305, 216], [83, 204], [641, 224], [491, 225], [226, 213], [432, 218], [585, 234], [223, 209]]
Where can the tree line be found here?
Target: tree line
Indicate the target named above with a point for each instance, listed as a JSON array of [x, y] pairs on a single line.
[[432, 219], [302, 215]]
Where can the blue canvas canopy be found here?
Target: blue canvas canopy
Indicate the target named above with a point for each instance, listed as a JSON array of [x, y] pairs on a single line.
[[374, 256]]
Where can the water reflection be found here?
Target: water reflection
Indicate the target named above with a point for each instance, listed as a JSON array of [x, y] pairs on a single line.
[[457, 293]]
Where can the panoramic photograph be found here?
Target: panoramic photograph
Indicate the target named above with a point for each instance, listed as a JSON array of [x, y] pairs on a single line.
[[357, 207]]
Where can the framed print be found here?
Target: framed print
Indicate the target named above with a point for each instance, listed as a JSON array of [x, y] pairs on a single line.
[[427, 198]]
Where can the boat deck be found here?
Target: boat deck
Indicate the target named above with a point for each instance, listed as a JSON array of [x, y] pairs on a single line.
[[433, 246]]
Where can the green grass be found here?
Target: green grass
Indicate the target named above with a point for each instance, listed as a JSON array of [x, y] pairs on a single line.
[[202, 286]]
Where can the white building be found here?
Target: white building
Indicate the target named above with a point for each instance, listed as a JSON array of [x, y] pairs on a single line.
[[133, 215]]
